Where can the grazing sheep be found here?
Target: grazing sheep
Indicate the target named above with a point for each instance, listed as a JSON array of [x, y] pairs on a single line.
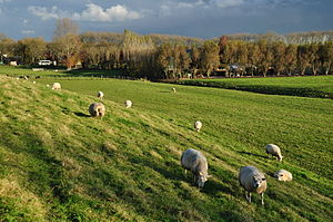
[[252, 180], [283, 175], [174, 89], [100, 95], [47, 85], [97, 110], [34, 82], [198, 125], [128, 103], [196, 162], [56, 86], [274, 150]]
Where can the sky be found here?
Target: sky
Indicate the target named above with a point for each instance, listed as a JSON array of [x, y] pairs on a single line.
[[195, 18]]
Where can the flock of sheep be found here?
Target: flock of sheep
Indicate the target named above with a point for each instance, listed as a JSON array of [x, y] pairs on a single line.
[[250, 177]]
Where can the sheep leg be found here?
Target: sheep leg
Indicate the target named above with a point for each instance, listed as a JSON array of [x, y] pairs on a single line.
[[248, 196], [262, 199]]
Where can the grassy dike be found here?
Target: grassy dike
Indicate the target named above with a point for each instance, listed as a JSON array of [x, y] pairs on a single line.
[[59, 164]]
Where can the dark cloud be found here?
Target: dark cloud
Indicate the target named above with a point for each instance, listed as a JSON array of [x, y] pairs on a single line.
[[198, 18]]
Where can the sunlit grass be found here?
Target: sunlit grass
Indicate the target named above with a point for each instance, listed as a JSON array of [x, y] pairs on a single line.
[[126, 167]]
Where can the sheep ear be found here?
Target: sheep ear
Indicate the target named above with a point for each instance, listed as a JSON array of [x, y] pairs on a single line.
[[209, 176]]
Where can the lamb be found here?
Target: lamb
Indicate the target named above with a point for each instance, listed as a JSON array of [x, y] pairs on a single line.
[[283, 175], [97, 110], [274, 150], [174, 90], [252, 180], [128, 103], [196, 162], [100, 95], [56, 86], [198, 125]]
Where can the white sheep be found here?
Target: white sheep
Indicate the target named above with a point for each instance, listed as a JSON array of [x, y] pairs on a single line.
[[97, 110], [283, 175], [198, 125], [100, 95], [174, 89], [252, 180], [47, 85], [34, 82], [196, 162], [274, 150], [56, 86], [128, 103]]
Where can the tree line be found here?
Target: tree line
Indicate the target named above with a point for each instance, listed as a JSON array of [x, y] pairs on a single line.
[[169, 57]]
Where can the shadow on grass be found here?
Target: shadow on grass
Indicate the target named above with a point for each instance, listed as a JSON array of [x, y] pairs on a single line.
[[80, 114], [212, 187], [253, 154]]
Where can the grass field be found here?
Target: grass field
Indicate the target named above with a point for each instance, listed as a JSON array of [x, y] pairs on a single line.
[[54, 72], [59, 164], [307, 86]]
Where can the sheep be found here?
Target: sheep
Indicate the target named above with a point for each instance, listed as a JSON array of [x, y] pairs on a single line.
[[283, 175], [100, 95], [174, 89], [97, 110], [252, 180], [47, 85], [196, 162], [274, 150], [198, 125], [128, 103], [56, 86], [34, 82]]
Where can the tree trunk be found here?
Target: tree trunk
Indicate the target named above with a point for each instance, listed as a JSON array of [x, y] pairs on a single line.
[[314, 71]]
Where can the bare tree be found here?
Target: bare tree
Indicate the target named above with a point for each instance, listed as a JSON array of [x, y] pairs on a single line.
[[65, 26], [210, 56], [67, 42]]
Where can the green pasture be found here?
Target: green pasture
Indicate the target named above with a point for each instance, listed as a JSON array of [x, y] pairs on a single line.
[[60, 164], [55, 72], [306, 86]]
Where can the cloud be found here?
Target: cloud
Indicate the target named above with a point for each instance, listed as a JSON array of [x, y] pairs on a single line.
[[92, 12], [44, 13], [3, 1], [170, 6], [114, 13], [227, 3], [28, 32], [190, 5]]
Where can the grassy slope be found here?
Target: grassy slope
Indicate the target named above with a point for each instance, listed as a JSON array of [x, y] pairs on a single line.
[[309, 86], [57, 164]]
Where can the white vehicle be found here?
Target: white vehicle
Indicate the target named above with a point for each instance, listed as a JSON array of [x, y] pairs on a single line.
[[45, 62]]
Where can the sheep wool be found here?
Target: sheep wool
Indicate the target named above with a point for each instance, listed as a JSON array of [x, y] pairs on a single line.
[[274, 150], [283, 175], [252, 180], [97, 110], [194, 161]]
